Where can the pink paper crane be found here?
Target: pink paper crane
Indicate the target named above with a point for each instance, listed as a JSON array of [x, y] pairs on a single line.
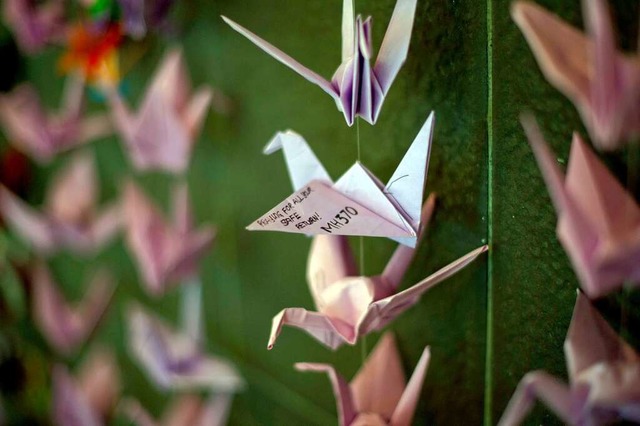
[[357, 88], [603, 83], [66, 327], [162, 134], [69, 219], [165, 253], [35, 24], [604, 377], [379, 394], [598, 221], [90, 399], [174, 360], [183, 410], [43, 135], [350, 306]]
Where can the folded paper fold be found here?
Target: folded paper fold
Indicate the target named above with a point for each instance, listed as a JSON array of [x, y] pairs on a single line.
[[358, 88], [357, 203]]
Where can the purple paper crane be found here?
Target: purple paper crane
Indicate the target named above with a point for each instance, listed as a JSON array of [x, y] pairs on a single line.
[[350, 306], [378, 395], [35, 24], [162, 134], [66, 328], [89, 399], [602, 83], [183, 410], [174, 360], [357, 88], [165, 253], [140, 15], [598, 221], [43, 135], [604, 377], [69, 220]]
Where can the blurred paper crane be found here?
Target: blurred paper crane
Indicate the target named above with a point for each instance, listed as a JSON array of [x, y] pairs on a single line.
[[66, 328], [174, 360], [43, 135], [162, 133], [604, 377], [603, 83], [350, 306], [598, 221], [89, 399], [141, 15], [35, 24], [184, 410], [69, 219], [357, 88], [165, 253], [378, 395]]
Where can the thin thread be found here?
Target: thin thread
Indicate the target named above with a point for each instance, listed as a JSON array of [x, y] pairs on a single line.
[[363, 344], [488, 368]]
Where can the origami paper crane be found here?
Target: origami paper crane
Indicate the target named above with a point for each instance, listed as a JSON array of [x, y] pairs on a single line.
[[69, 219], [357, 88], [140, 15], [603, 83], [162, 134], [43, 135], [604, 377], [350, 306], [358, 203], [90, 399], [173, 360], [66, 327], [35, 24], [378, 394], [598, 221], [165, 253], [184, 410]]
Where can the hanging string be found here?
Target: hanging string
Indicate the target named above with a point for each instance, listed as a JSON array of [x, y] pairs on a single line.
[[363, 339]]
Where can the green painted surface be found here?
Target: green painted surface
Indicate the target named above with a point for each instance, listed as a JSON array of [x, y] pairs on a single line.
[[249, 277]]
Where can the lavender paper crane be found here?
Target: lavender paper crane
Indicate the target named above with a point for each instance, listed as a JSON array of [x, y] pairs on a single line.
[[140, 15], [89, 399], [350, 306], [598, 221], [35, 24], [43, 135], [69, 219], [162, 134], [357, 203], [357, 88], [165, 253], [175, 361], [604, 377], [183, 410], [603, 83], [67, 327], [378, 394]]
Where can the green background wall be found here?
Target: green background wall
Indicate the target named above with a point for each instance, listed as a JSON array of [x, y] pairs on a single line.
[[503, 316]]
